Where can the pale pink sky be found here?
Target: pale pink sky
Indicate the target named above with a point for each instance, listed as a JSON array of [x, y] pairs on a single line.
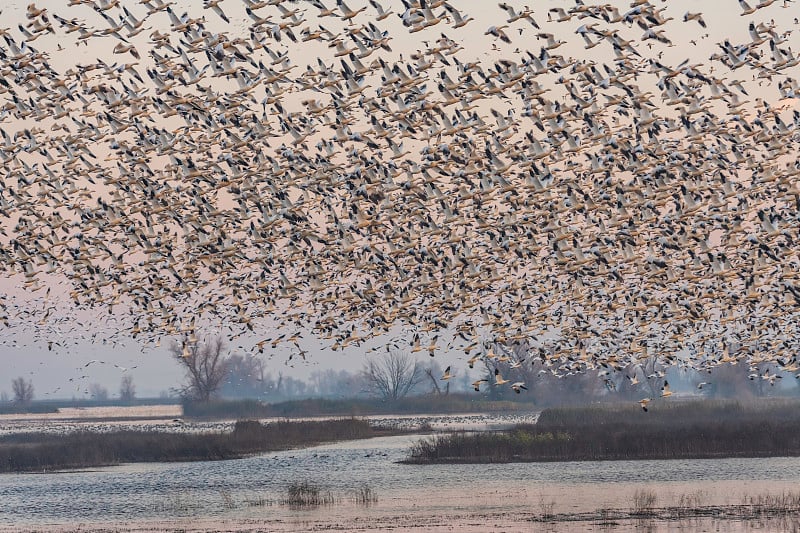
[[25, 352]]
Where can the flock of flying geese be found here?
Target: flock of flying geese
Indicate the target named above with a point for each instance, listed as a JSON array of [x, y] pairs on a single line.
[[297, 166]]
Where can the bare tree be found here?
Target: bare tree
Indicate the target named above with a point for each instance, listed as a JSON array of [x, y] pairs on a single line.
[[127, 390], [292, 388], [3, 397], [23, 390], [244, 377], [654, 374], [335, 383], [205, 367], [392, 376], [433, 371], [98, 392], [734, 381]]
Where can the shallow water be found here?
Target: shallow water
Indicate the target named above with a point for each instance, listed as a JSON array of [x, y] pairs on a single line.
[[246, 494]]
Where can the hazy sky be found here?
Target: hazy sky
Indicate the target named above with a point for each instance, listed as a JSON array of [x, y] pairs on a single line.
[[56, 362]]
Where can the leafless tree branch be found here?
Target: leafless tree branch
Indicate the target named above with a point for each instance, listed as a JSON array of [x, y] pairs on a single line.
[[205, 366], [392, 376]]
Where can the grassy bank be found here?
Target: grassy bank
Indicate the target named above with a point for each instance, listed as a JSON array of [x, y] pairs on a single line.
[[35, 452], [680, 430], [452, 403]]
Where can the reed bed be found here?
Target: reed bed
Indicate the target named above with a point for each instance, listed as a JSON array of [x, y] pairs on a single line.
[[680, 430], [45, 452]]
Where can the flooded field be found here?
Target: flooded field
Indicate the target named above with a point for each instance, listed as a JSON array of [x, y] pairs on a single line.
[[250, 494]]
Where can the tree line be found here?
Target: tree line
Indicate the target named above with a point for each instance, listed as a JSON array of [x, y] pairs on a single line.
[[211, 371], [23, 394]]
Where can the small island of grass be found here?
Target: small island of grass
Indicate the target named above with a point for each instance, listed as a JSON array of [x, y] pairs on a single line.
[[670, 430], [38, 452]]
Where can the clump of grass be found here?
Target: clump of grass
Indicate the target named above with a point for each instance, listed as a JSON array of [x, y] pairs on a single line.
[[365, 495], [644, 503], [306, 494]]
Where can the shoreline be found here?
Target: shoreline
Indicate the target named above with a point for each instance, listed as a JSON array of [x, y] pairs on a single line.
[[576, 459], [655, 519]]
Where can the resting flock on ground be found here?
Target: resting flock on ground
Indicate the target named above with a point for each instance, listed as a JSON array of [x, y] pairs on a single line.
[[355, 170]]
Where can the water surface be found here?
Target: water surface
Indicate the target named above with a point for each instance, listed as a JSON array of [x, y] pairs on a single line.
[[243, 492]]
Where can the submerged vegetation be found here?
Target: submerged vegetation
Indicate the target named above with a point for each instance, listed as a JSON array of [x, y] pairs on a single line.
[[608, 432], [45, 452]]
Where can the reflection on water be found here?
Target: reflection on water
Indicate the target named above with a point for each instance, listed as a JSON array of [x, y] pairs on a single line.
[[252, 488]]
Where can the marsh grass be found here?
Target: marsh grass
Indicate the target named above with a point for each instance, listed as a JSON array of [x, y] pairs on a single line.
[[365, 495], [307, 494], [644, 503], [678, 430], [780, 511], [47, 452], [686, 503], [257, 500], [772, 504]]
